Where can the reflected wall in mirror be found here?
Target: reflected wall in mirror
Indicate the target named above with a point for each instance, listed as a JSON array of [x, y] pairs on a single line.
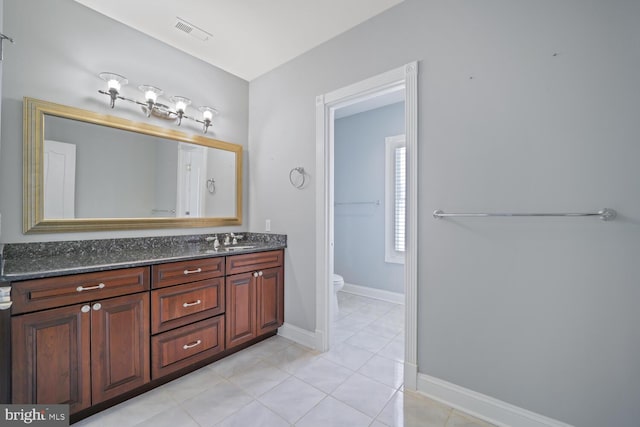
[[87, 171]]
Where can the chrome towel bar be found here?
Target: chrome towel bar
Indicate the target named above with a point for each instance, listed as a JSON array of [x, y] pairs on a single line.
[[374, 202], [605, 214]]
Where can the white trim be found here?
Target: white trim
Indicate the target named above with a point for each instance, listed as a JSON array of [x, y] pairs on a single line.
[[406, 78], [487, 408], [411, 236], [381, 294], [410, 376], [363, 90], [299, 335], [321, 339], [324, 206]]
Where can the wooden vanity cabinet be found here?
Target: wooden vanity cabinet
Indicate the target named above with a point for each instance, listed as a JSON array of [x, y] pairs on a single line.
[[88, 338], [187, 314], [255, 295], [81, 354]]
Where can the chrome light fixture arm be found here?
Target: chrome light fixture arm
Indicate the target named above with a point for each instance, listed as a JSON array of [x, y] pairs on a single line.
[[151, 106]]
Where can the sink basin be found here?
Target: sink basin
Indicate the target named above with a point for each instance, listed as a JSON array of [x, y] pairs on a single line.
[[229, 249], [237, 248]]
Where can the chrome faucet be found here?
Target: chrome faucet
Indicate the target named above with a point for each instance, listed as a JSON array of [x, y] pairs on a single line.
[[227, 239], [214, 238]]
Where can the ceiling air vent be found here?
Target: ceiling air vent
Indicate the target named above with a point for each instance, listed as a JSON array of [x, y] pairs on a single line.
[[192, 30]]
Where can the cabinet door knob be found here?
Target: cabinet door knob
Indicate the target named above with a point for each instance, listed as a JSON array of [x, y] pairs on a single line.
[[5, 297], [90, 288], [97, 306], [255, 274], [259, 273], [191, 345], [85, 309], [197, 270]]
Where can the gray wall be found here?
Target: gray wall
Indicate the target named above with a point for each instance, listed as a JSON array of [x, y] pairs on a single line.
[[523, 106], [60, 48], [359, 164]]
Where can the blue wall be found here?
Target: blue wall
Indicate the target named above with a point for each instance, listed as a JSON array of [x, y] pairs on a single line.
[[359, 176]]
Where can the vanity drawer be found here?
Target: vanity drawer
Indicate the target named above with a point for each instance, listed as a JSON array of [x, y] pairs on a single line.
[[255, 261], [176, 306], [180, 348], [50, 292], [176, 273]]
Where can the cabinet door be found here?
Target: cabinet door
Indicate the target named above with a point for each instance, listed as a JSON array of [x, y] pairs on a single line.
[[270, 299], [241, 309], [119, 345], [51, 357]]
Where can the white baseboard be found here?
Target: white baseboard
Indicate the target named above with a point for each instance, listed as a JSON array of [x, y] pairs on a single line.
[[380, 294], [410, 376], [299, 335], [481, 406]]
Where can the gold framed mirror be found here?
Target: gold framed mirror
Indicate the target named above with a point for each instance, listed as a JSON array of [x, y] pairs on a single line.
[[86, 171]]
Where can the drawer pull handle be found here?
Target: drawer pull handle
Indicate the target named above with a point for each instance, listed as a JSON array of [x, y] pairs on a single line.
[[191, 304], [194, 344], [90, 288], [197, 270]]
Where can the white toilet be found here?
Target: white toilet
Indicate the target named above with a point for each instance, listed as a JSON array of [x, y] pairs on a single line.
[[338, 283]]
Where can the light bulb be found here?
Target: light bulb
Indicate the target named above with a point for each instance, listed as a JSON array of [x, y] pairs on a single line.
[[181, 103], [151, 93], [151, 96], [114, 81], [113, 85], [208, 113]]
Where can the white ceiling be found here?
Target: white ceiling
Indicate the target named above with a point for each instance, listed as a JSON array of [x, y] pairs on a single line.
[[245, 37]]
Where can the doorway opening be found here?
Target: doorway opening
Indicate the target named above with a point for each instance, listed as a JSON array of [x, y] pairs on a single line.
[[401, 81]]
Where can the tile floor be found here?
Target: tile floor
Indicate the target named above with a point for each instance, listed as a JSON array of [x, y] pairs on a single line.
[[280, 383]]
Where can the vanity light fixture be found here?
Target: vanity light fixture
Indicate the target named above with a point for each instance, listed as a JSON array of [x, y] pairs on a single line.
[[151, 94], [181, 106], [152, 106]]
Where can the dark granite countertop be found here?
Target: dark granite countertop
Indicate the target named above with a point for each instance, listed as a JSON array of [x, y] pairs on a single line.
[[21, 261]]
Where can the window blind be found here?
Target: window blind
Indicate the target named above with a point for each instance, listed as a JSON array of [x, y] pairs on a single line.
[[400, 197]]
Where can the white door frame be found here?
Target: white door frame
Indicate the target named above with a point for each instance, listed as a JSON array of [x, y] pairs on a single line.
[[326, 105]]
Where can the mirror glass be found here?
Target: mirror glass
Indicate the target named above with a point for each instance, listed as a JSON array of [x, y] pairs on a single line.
[[87, 171]]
